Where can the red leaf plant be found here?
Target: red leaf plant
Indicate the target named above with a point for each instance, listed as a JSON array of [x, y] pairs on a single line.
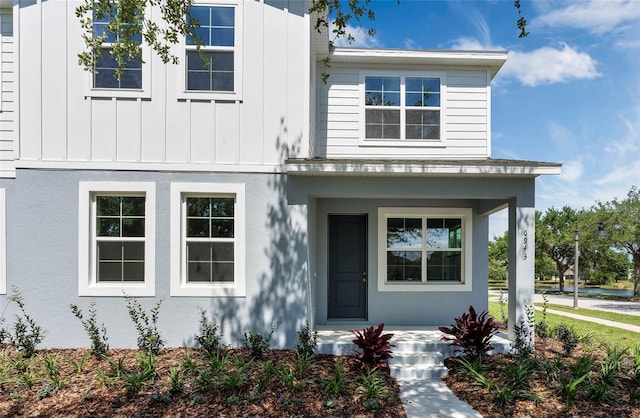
[[375, 346], [472, 333]]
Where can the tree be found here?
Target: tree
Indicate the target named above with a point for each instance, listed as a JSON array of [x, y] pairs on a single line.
[[129, 26], [499, 257], [544, 267], [555, 238], [623, 227]]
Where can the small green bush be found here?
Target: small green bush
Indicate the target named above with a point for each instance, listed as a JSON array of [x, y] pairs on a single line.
[[97, 335], [149, 339]]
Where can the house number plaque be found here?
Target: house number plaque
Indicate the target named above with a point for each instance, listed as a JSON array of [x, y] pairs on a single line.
[[525, 244]]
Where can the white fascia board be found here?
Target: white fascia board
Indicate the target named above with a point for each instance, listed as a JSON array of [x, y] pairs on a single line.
[[493, 59], [351, 168]]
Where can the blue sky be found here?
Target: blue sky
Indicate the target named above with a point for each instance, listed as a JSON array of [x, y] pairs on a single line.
[[569, 93]]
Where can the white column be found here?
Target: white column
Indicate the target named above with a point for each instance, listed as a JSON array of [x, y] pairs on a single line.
[[521, 262]]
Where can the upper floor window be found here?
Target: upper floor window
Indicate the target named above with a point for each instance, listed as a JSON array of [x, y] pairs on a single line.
[[214, 70], [106, 64], [402, 108], [134, 79]]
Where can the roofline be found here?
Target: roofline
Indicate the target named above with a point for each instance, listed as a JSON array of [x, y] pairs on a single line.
[[444, 168], [480, 58]]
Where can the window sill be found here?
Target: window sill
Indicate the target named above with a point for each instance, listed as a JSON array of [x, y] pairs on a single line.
[[117, 289], [211, 96], [208, 290], [118, 93], [426, 143], [424, 287]]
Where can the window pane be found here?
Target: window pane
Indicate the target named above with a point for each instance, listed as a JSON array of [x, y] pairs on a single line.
[[133, 206], [404, 266], [222, 36], [106, 65], [222, 272], [109, 251], [108, 205], [422, 124], [133, 227], [219, 76], [222, 228], [382, 91], [198, 228], [133, 251], [423, 117], [108, 227], [444, 266], [133, 272], [201, 13], [202, 33], [422, 91], [223, 16], [382, 124], [404, 232], [109, 272], [198, 206], [222, 206], [198, 251], [444, 233], [198, 272], [222, 251]]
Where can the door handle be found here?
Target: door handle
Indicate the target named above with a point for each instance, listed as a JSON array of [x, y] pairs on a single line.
[[364, 276]]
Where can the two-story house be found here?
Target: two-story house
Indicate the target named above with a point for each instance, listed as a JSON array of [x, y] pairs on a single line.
[[250, 187]]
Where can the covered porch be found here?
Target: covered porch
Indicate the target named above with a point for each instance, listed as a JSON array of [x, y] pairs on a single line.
[[463, 193]]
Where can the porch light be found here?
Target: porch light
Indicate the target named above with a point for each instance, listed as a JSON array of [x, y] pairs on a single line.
[[599, 233]]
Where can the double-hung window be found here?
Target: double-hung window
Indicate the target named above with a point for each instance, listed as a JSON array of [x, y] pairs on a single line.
[[117, 239], [207, 239], [402, 108], [214, 70], [106, 65], [134, 76], [421, 246]]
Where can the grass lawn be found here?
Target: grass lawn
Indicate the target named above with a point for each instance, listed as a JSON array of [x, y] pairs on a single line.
[[599, 333], [611, 316]]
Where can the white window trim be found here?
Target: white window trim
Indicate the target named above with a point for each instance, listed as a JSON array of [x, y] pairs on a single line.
[[142, 93], [179, 285], [403, 142], [236, 95], [3, 244], [87, 284], [467, 243]]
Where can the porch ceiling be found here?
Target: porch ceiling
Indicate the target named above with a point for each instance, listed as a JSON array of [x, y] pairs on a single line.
[[445, 168]]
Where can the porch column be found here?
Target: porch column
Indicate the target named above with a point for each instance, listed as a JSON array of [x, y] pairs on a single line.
[[521, 261]]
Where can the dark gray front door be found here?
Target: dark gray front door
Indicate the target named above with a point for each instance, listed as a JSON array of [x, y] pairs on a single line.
[[347, 267]]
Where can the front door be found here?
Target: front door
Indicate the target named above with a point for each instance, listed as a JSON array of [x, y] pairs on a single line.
[[347, 267]]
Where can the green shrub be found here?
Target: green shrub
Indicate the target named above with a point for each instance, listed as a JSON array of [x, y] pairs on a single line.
[[97, 335], [257, 342], [25, 334], [568, 337], [208, 337], [149, 339], [307, 341]]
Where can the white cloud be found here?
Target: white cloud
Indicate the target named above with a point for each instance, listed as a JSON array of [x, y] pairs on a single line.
[[571, 171], [361, 38], [549, 65], [595, 16], [546, 65]]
